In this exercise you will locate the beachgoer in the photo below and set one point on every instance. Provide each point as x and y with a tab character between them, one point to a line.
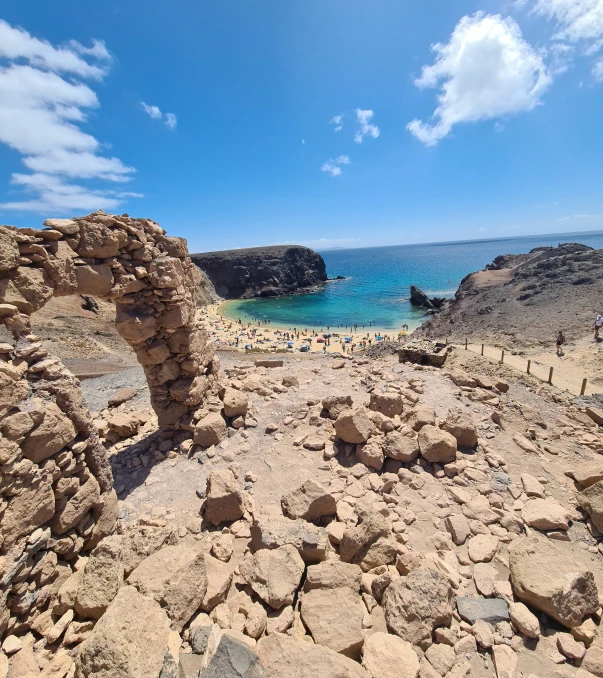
559	343
598	325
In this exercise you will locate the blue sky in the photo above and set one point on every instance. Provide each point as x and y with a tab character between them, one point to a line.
493	132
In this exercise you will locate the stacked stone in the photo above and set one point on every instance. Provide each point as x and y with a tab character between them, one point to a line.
147	274
56	494
56	487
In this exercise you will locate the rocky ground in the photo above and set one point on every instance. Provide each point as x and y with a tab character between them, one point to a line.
357	518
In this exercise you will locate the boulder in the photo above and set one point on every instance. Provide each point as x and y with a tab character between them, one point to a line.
491	610
233	659
526	622
97	241
548	577
400	447
129	641
461	426
334	619
174	576
125	424
33	506
358	539
437	446
309	501
417	604
50	436
354	426
85	499
335	405
271	532
211	430
422	415
388	404
482	548
545	514
591	500
285	656
122	396
275	575
370	454
94	280
596	414
333	574
101	579
236	403
505	661
219	578
269	362
224	499
387	656
458	527
587	474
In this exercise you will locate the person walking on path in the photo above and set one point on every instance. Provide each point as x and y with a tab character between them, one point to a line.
559	343
598	325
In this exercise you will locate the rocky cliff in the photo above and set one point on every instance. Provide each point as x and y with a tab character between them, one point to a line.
524	299
262	271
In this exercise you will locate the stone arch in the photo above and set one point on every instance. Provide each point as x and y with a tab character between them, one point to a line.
147	274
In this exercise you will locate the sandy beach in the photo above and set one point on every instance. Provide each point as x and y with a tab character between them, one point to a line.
237	335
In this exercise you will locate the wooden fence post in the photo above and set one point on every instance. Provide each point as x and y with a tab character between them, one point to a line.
529	366
502	357
482	349
466	343
551	376
583	389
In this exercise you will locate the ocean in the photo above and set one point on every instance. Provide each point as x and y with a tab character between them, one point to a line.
376	289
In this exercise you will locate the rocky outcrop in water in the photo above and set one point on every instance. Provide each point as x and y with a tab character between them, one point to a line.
262	271
419	298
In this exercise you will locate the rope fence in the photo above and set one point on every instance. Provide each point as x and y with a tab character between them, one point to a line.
533	368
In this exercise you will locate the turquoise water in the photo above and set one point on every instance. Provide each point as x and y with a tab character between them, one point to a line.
377	282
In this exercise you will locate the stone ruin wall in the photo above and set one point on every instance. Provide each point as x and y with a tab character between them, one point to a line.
56	487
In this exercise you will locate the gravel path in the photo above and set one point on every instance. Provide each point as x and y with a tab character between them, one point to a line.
98	390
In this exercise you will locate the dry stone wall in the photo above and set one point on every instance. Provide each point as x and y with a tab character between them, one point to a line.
56	487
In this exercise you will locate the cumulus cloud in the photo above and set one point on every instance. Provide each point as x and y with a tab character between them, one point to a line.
577	20
155	112
366	128
44	101
486	70
332	166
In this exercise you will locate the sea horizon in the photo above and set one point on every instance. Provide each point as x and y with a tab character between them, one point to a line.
374	293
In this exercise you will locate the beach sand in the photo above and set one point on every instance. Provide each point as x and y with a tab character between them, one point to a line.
224	331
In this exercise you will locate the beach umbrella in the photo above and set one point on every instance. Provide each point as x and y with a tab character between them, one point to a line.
348	340
289	343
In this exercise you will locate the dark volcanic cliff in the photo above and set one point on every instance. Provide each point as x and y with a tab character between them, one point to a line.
262	271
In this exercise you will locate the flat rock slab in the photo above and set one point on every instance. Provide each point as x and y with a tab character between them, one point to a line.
491	610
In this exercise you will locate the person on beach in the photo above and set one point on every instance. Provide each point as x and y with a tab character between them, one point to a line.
598	325
559	343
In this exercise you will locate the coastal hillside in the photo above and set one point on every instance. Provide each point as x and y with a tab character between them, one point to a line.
521	301
262	271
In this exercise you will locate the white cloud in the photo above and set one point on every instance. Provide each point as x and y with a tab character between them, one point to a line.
332	166
153	111
16	43
337	120
577	20
43	104
338	128
366	128
486	70
597	70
